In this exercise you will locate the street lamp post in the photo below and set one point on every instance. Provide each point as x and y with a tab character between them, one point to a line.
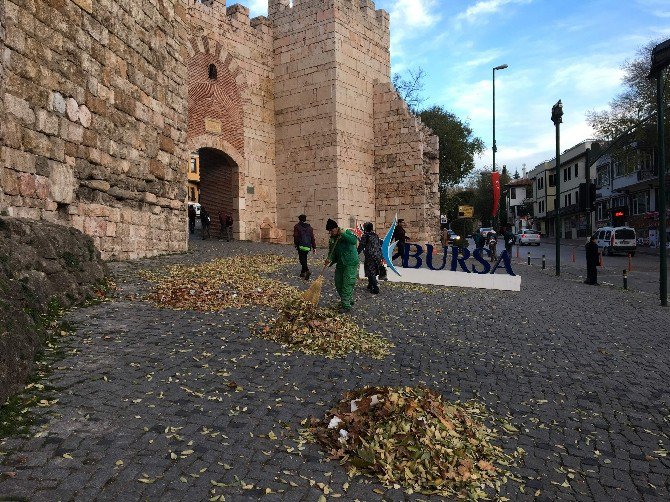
660	59
557	118
495	148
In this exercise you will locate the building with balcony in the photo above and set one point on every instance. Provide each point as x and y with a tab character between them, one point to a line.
627	191
519	197
576	218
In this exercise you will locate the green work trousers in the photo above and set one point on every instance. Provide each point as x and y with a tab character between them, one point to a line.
345	281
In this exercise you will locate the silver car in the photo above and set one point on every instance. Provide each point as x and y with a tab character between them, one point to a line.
528	236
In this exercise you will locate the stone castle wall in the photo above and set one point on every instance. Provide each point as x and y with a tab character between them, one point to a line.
95	120
104	100
328	54
363	58
407	167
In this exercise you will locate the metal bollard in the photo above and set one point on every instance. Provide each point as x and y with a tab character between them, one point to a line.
630	262
544	262
625	279
574	258
528	257
517	251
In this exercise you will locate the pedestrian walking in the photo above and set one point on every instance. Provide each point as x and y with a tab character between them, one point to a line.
303	239
479	241
371	246
222	224
191	218
444	236
205	221
343	253
509	239
400	237
592	255
492	241
225	225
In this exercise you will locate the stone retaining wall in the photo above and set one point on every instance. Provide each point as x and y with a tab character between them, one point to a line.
42	266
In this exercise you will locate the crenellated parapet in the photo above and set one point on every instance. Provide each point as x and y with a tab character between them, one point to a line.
377	19
215	16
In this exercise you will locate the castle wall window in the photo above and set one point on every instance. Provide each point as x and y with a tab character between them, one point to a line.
211	72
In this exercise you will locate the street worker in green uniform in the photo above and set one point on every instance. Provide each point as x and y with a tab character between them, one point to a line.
343	252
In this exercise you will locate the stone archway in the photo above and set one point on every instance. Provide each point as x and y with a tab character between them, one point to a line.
219	186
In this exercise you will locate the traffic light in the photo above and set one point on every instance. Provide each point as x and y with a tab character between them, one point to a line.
587	197
583	197
619	216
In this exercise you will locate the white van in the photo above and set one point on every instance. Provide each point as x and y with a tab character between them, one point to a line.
616	240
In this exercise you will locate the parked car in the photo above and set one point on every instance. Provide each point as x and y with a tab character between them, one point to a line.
453	235
197	208
485	230
528	236
616	240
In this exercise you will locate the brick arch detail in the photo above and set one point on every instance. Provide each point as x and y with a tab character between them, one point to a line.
224	100
216	143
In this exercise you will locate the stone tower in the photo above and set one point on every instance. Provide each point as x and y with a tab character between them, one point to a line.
327	56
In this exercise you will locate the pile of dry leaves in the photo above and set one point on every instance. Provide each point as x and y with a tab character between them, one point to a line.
412	438
220	284
316	330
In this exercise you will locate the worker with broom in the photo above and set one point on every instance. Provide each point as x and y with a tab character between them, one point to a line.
343	252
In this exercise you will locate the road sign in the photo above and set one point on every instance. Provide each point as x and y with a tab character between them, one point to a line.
466	211
443	218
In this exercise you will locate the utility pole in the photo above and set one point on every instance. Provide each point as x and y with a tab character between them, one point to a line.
660	59
557	119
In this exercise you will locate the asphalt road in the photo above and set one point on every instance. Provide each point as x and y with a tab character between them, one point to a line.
643	275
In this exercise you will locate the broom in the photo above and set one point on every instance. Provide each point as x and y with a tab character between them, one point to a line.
313	293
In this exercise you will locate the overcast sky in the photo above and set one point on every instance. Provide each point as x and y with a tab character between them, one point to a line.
556	49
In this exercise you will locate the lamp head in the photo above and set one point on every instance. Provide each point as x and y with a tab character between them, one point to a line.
660	58
557	113
501	67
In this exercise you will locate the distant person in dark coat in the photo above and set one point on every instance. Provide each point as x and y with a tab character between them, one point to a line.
191	218
592	256
400	236
509	239
371	246
304	242
492	241
225	226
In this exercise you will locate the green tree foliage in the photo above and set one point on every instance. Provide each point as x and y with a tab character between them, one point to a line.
629	109
458	144
482	187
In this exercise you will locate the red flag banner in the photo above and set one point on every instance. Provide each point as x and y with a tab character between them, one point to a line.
495	182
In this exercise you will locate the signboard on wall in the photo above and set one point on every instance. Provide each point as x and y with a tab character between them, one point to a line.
466	211
213	126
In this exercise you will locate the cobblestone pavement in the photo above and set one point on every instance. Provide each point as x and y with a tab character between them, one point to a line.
581	371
